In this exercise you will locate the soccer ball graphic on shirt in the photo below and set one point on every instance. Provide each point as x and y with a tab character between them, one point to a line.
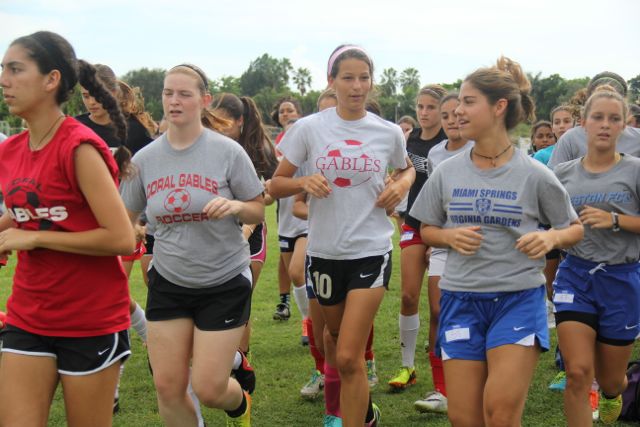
347	163
177	201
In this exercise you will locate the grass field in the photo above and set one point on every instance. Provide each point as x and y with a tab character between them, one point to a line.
283	365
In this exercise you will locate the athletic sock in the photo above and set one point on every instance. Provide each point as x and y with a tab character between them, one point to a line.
437	372
237	361
331	390
139	322
368	352
302	301
409	327
317	356
241	409
285	298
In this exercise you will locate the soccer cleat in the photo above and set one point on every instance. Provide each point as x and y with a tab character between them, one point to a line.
559	382
245	375
594	401
116	405
304	338
405	377
377	415
372	376
332	421
282	312
434	401
610	409
313	388
243	420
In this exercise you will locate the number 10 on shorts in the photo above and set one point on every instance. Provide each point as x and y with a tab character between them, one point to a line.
323	286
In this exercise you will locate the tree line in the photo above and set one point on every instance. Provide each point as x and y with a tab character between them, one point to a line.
267	79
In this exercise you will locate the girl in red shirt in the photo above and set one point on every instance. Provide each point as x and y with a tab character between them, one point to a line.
68	312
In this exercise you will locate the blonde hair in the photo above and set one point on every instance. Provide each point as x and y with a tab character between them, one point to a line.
608	92
208	118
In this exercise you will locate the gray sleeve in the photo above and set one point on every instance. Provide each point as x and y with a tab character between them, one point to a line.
554	202
428	208
399	156
563	152
132	191
294	145
242	177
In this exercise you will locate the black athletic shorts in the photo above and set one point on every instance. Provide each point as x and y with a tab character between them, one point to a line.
258	243
74	356
215	308
288	244
333	279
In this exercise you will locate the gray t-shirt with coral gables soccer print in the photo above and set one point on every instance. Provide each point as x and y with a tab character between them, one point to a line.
573	144
354	157
506	202
617	189
174	186
289	225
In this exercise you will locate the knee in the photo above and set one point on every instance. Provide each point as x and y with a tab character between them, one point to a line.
501	416
410	300
296	275
579	376
171	390
211	393
349	363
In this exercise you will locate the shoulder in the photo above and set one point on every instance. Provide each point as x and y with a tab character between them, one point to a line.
574	135
631	133
438	148
74	132
565	168
83	118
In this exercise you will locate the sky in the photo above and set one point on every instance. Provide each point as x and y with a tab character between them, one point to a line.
444	41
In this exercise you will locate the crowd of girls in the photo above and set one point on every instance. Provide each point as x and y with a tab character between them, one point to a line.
498	232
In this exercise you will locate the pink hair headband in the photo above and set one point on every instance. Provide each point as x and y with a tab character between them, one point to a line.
342	50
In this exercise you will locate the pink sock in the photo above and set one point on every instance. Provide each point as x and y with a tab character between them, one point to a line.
331	390
317	356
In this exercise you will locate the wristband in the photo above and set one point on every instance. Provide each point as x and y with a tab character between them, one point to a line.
615	219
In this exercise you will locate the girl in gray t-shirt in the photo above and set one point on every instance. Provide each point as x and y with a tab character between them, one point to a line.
349	151
197	186
485	205
597	287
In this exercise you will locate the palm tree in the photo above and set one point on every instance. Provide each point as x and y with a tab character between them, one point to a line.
302	80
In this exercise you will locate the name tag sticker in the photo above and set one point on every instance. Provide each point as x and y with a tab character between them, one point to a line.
407	235
563	297
458	334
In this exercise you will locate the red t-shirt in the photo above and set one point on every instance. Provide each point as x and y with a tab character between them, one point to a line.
59	293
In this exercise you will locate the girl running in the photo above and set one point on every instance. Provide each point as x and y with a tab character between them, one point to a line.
285	111
485	205
436	400
98	120
414	253
573	144
597	288
68	313
561	121
198	186
349	242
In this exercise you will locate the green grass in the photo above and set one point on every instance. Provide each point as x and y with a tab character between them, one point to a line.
283	365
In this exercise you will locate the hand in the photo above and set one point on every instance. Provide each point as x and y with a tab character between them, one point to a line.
596	218
267	186
392	195
16	239
317	185
140	232
536	244
465	240
220	207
